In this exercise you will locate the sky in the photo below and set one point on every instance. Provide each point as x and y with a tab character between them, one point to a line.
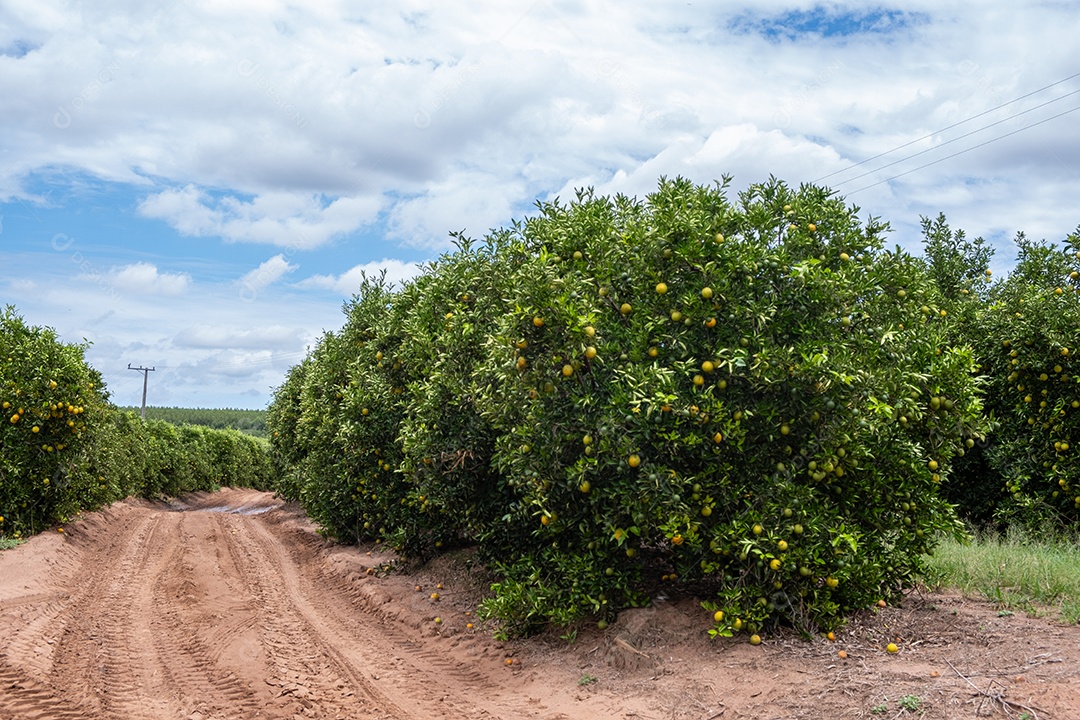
198	186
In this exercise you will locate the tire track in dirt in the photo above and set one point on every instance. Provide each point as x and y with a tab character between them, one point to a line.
105	659
420	678
193	675
302	661
32	625
24	698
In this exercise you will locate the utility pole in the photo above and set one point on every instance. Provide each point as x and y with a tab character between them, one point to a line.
145	374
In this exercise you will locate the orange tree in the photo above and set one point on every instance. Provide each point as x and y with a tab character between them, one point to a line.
753	396
287	449
455	495
334	424
52	400
757	395
959	267
1028	336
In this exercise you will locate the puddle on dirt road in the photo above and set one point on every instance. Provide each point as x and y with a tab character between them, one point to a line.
242	510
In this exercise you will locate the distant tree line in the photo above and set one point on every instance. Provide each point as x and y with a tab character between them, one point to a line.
250	422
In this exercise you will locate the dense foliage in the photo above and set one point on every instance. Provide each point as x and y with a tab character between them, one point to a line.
1028	337
757	396
65	448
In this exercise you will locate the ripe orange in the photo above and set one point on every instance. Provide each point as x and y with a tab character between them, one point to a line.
633	461
538	321
590	352
892	648
661	288
755	639
567	370
831	636
718	616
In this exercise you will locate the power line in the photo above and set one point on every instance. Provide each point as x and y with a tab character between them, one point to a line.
955	139
949	127
961	152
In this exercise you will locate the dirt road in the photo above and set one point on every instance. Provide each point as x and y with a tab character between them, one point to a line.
229	605
210	612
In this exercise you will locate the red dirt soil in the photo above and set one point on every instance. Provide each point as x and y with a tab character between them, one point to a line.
230	605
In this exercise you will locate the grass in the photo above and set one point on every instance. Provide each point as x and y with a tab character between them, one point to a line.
1038	576
6	543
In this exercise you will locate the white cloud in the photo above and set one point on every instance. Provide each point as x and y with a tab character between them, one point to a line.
22	286
285	219
348	283
144	279
272	337
266	274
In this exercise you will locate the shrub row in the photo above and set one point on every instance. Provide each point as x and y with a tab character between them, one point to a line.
64	448
1027	337
755	396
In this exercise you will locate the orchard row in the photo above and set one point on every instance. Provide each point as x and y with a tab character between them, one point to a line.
755	396
67	449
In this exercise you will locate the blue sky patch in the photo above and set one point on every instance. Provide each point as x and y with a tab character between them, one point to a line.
827	22
18	48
